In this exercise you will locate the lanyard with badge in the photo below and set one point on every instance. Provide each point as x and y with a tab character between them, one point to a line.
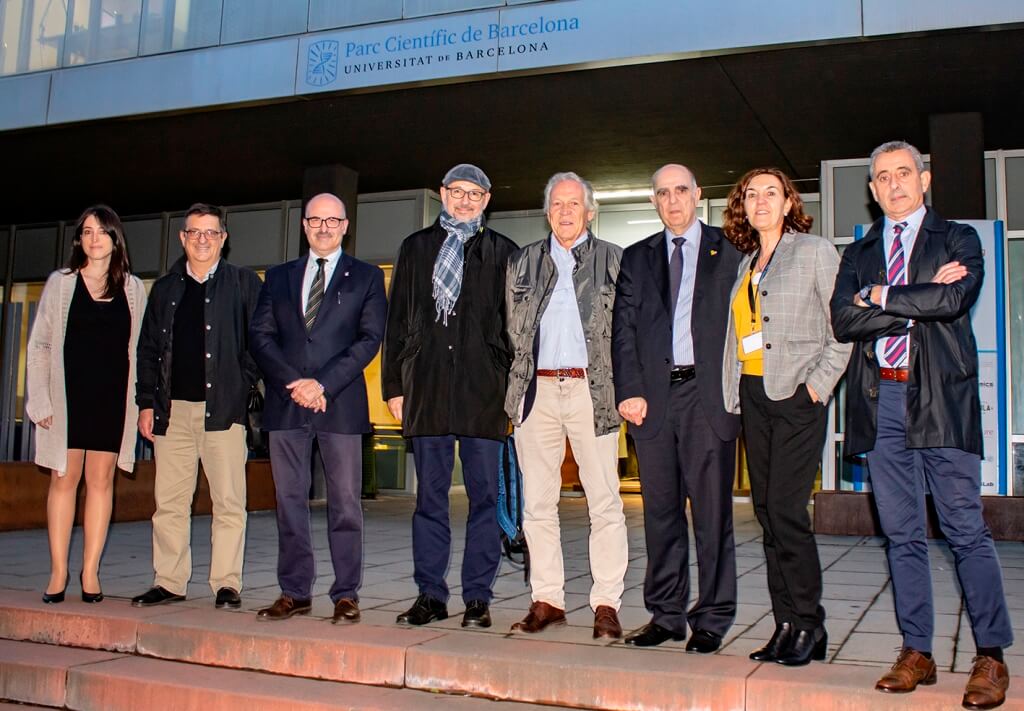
752	342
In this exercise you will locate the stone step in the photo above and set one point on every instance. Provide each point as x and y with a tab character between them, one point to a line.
366	658
37	673
142	684
300	646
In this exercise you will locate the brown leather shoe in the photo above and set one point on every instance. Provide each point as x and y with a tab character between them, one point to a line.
345	610
606	623
284	607
540	616
987	685
911	668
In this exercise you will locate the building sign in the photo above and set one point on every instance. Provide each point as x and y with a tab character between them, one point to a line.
557	34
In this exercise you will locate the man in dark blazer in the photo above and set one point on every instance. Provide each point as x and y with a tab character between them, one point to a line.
444	371
318	324
903	296
671	311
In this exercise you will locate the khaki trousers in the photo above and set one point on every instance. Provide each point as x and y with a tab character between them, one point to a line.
177	468
563	408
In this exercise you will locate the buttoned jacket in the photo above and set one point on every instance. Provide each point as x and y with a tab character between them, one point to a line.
798	344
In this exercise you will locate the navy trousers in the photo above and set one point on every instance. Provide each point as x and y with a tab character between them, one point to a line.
290	455
898	478
687	461
431	531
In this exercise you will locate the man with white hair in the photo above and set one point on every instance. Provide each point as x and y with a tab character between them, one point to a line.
559	294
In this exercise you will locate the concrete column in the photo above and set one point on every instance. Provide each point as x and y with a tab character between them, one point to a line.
957	147
341	181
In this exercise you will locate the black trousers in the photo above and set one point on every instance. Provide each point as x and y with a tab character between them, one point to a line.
784	440
687	460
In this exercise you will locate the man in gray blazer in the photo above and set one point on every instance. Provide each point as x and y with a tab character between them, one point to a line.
671	308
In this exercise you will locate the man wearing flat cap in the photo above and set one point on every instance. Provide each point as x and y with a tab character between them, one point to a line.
445	367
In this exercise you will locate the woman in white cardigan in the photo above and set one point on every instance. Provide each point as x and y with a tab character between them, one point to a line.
81	389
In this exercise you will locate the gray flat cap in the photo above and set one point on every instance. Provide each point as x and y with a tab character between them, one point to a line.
467	171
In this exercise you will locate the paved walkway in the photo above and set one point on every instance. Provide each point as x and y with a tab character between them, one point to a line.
858	598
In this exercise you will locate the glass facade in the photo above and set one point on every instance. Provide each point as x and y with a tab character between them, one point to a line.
102	30
328	14
31	35
1015	267
259	19
171	25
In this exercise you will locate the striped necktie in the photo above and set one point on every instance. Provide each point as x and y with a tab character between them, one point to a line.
895	347
316	294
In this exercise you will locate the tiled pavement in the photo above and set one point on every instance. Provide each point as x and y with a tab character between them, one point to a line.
858	598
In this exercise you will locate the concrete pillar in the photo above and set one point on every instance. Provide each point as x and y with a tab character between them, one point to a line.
343	182
957	148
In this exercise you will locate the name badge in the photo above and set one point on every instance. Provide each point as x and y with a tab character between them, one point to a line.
751	343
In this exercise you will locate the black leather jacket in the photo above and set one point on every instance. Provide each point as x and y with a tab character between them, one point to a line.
943	403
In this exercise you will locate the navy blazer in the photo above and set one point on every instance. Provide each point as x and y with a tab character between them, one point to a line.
344	339
642	329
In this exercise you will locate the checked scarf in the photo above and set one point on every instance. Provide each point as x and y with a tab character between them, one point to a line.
447	277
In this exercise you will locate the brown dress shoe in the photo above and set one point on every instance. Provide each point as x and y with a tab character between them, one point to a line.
541	615
911	668
284	607
345	610
606	623
987	685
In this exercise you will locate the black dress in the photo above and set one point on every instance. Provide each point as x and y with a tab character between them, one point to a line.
96	369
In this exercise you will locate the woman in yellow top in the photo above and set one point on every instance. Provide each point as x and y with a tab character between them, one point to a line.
781	364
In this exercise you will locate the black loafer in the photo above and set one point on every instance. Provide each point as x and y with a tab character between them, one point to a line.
155	596
228	597
425	609
651	635
478	614
704	642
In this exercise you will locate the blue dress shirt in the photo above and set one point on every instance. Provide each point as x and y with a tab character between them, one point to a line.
562	343
682	336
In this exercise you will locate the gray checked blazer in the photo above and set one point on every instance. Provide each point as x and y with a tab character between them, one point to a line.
799	346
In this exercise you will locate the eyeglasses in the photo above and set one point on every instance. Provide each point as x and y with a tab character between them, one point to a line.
473	195
210	235
332	223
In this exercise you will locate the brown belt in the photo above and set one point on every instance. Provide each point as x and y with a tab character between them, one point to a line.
562	373
900	375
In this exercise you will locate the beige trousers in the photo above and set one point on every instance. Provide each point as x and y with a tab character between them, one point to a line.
177	468
563	408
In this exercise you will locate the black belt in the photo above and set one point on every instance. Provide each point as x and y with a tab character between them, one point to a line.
682	373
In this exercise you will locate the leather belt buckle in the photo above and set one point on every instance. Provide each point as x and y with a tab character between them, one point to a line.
682	374
898	375
562	373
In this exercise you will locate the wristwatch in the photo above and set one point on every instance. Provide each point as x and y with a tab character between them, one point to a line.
865	295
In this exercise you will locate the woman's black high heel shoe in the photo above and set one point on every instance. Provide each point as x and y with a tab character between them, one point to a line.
54	598
88	596
804	646
776	645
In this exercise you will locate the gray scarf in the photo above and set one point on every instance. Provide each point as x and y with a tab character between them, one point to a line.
447	277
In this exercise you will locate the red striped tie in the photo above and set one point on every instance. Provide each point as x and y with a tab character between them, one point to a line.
895	347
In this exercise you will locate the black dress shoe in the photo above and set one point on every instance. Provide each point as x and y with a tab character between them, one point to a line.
651	635
88	596
228	597
478	614
779	641
425	609
155	596
704	642
804	645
